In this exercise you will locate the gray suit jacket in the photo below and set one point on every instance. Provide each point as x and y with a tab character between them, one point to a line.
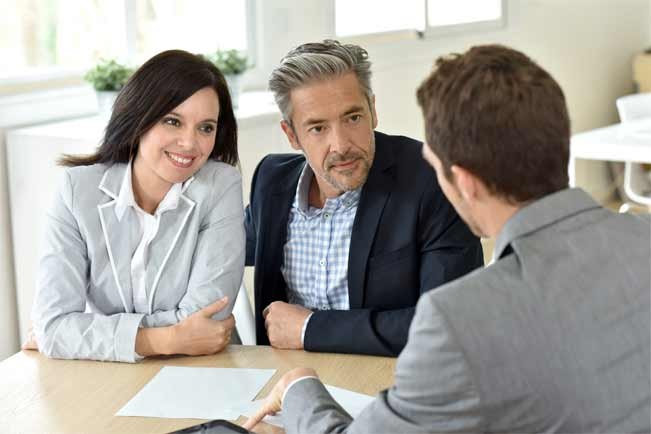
84	303
553	337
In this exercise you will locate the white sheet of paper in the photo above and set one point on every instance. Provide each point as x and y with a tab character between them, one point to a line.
197	393
350	401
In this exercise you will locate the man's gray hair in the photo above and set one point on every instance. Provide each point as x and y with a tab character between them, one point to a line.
316	61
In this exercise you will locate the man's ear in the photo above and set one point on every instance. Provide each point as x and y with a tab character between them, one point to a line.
291	135
468	185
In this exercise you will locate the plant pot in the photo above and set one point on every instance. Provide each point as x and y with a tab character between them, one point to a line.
233	81
105	101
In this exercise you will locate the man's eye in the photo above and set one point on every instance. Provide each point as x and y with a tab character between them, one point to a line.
317	129
172	121
355	118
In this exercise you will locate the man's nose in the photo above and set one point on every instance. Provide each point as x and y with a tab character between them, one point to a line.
339	141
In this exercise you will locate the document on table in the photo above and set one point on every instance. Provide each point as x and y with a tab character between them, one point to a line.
350	401
197	393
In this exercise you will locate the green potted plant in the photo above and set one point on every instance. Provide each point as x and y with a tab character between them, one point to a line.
107	78
232	64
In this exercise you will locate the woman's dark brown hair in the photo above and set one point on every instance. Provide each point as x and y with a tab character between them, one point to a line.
155	89
496	113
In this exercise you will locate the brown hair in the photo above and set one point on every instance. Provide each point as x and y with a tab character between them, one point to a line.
155	89
496	113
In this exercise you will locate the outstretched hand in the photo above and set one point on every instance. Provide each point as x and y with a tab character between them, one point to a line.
273	402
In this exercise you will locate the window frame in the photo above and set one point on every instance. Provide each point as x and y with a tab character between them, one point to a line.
54	77
430	32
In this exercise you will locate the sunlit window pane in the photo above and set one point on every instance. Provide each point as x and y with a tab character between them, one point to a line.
54	35
375	16
451	12
199	26
68	33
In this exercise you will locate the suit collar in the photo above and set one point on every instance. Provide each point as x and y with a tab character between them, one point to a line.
112	180
541	213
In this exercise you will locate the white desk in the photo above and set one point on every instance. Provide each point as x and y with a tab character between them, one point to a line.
620	142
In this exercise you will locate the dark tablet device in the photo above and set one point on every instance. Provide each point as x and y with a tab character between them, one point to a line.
218	426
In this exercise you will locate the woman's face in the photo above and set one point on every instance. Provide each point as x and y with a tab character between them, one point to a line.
178	145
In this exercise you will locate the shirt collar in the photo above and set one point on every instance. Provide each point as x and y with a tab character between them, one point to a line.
126	199
345	200
541	213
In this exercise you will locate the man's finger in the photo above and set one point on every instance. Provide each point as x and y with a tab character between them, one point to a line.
265	311
215	307
256	418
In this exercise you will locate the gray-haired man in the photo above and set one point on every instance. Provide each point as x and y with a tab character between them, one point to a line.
552	337
347	236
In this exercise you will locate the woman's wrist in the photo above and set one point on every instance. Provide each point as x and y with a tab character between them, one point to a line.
155	341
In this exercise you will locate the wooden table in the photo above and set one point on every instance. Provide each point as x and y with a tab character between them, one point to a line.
41	395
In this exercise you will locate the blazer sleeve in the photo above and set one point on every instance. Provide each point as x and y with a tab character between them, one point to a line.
63	330
434	390
218	258
448	250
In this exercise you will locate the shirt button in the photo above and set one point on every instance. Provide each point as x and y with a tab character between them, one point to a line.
324	307
322	262
326	215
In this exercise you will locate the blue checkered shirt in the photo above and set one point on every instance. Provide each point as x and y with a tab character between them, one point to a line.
315	265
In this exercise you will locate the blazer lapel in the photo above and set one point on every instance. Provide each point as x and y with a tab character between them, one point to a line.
117	234
375	193
171	226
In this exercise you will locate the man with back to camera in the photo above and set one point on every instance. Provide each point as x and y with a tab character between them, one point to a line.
552	337
345	244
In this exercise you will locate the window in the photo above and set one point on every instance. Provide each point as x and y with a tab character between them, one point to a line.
50	36
381	16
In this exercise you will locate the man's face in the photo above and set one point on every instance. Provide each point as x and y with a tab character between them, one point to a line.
333	123
451	191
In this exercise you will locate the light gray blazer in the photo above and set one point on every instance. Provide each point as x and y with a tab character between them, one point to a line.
83	307
553	337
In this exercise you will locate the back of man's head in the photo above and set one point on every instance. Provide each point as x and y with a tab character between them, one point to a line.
496	113
318	61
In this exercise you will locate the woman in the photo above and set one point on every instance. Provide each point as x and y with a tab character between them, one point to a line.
144	248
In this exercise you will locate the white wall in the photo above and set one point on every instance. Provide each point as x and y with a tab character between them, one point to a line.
587	45
8	314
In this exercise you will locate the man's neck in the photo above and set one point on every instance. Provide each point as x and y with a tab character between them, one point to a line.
317	196
496	214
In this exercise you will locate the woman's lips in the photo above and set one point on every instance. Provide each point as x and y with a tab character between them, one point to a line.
180	160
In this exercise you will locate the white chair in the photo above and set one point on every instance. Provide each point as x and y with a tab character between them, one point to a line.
632	107
244	319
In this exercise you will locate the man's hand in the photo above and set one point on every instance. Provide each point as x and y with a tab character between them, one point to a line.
284	324
30	343
273	402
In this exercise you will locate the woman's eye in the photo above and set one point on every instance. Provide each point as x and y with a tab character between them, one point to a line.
209	128
172	121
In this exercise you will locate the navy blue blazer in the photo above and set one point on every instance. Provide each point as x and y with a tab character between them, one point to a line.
407	239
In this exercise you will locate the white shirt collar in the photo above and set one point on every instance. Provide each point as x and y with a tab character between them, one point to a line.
126	199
